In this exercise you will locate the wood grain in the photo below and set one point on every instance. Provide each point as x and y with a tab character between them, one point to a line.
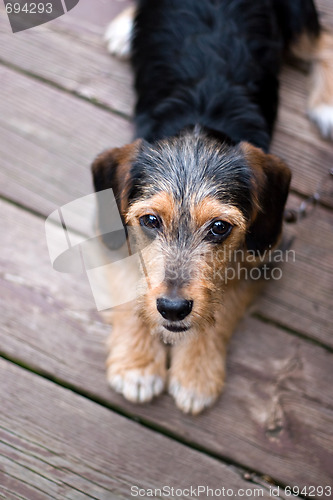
69	447
302	299
75	61
276	413
48	141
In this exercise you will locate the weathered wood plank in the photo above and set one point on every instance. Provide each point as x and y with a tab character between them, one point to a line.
302	299
78	62
89	71
69	447
298	141
99	14
276	414
49	140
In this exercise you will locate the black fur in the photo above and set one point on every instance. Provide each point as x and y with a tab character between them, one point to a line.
214	63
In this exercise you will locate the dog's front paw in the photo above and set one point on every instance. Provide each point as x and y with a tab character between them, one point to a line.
118	34
138	385
137	360
322	116
189	399
197	371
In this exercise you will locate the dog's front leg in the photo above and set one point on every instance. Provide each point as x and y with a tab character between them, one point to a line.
197	371
136	365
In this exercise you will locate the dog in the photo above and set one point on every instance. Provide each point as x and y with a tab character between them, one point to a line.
198	184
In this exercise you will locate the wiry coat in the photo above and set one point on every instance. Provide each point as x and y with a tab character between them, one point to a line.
213	63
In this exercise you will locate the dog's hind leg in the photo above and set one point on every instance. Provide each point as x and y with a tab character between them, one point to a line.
119	33
318	52
309	42
306	40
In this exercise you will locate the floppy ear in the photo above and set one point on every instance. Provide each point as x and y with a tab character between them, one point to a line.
271	185
111	170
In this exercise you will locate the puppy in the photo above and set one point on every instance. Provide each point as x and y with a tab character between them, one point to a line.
198	186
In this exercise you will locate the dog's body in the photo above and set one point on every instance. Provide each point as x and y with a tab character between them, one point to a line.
215	63
196	184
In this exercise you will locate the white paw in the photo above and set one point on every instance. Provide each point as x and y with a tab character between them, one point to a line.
118	34
136	386
188	400
322	116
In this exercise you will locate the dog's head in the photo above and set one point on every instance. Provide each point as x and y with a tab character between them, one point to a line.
192	200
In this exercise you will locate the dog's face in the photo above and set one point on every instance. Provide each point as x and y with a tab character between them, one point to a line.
191	201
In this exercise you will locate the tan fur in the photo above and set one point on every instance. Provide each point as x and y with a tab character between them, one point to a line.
210	208
197	372
304	47
161	204
322	74
136	365
203	263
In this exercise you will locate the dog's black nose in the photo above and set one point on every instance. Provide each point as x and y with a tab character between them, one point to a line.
174	309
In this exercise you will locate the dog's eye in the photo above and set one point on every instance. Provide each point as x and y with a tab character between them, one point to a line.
218	230
150	221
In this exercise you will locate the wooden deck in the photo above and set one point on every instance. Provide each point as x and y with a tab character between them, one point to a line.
63	432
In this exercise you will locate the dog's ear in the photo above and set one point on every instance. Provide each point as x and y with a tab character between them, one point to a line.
271	179
111	170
